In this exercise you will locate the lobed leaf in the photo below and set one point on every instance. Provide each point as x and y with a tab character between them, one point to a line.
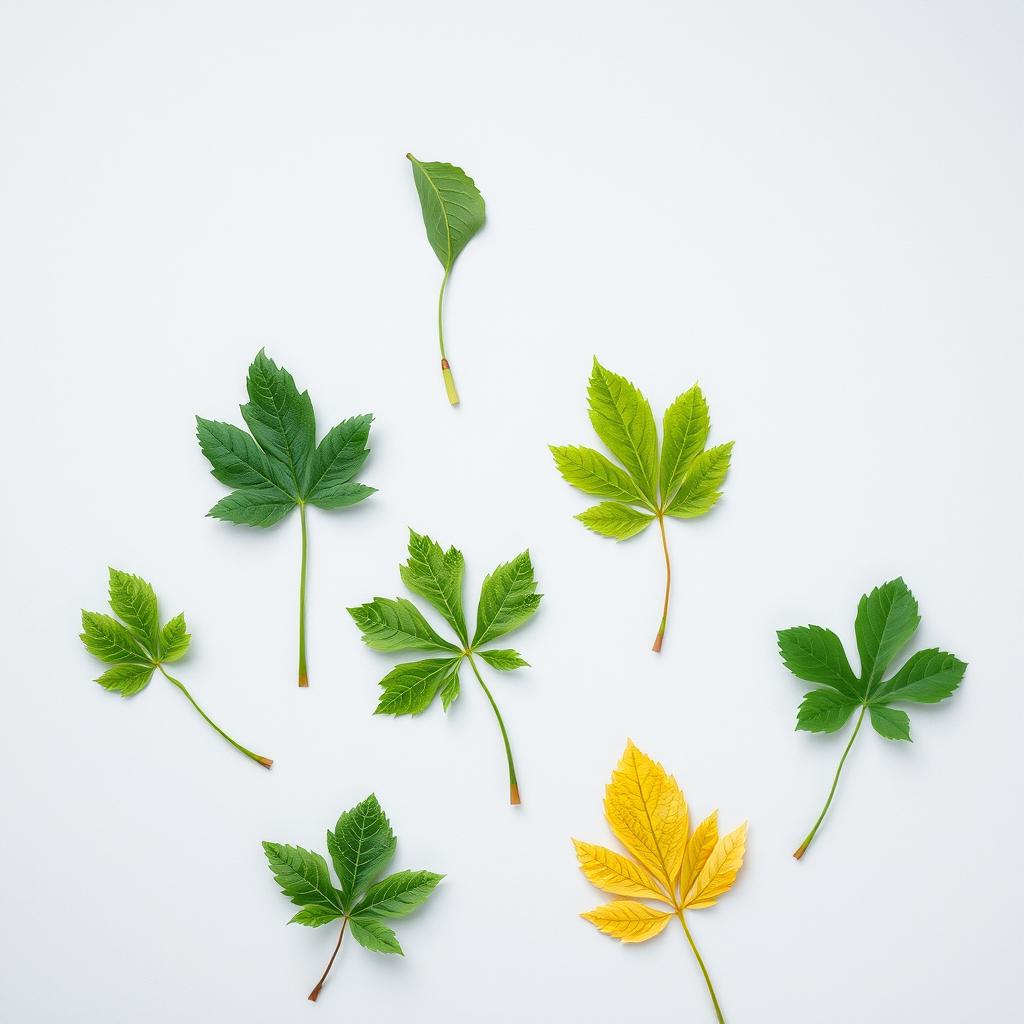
615	520
628	920
436	574
397	625
508	598
593	473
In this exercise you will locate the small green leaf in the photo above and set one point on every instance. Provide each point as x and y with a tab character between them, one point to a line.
453	209
593	473
886	619
397	625
105	638
256	506
174	640
436	575
314	915
397	895
126	680
450	689
338	457
698	493
360	845
410	688
508	598
134	603
928	677
504	661
615	520
817	655
303	876
375	936
824	711
890	722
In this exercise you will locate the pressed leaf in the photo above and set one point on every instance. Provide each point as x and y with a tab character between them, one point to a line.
132	600
508	598
628	920
314	916
253	506
360	846
593	473
409	689
685	433
504	661
824	711
373	935
397	625
126	680
886	620
174	639
719	872
698	849
891	723
616	874
436	575
110	641
817	655
397	895
613	519
699	493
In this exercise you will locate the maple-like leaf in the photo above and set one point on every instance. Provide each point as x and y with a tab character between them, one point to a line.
683	480
886	620
681	871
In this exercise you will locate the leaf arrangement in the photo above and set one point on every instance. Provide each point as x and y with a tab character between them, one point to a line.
508	599
453	212
682	481
135	645
360	846
647	813
886	619
280	465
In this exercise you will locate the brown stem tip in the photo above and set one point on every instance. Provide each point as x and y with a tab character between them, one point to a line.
799	853
513	794
656	646
316	992
266	762
303	679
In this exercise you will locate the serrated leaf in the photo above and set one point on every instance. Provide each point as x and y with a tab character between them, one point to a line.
409	689
263	507
338	457
891	723
504	661
698	493
719	872
616	874
360	846
126	680
824	711
508	599
886	620
593	473
684	435
436	575
397	625
450	689
615	520
133	601
315	916
303	876
341	496
928	677
174	640
373	935
817	656
698	849
397	895
238	461
628	920
110	641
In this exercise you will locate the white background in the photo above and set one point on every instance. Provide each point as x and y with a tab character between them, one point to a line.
814	209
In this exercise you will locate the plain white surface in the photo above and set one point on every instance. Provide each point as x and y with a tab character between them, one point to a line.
813	208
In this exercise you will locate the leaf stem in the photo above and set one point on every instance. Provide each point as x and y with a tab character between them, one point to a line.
668	583
303	676
330	963
703	969
835	782
446	370
265	761
513	785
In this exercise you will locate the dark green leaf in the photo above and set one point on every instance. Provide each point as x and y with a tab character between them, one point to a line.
338	457
238	461
824	711
397	625
261	507
341	496
886	620
314	915
373	935
890	722
507	599
397	895
410	688
504	661
360	845
817	655
450	689
928	677
303	876
436	575
453	209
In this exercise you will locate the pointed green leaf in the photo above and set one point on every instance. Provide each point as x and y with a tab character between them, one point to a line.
623	419
303	876
134	603
685	433
397	895
890	723
507	599
436	575
373	935
341	496
360	845
824	711
928	677
107	639
174	640
261	507
698	493
453	209
397	625
410	688
237	460
338	457
504	661
450	688
817	655
313	916
593	473
886	620
126	680
615	520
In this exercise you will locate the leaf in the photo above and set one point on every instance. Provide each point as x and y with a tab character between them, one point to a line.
508	598
409	689
450	689
698	849
126	680
685	433
375	936
886	619
132	600
628	920
174	640
361	843
616	874
699	493
453	209
504	661
593	473
719	872
280	465
613	519
107	639
397	625
436	575
622	418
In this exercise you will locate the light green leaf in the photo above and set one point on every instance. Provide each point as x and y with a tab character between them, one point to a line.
397	895
303	876
615	520
453	209
126	680
238	461
824	711
360	845
623	419
686	426
593	473
436	574
373	935
817	655
410	688
338	457
313	916
397	625
134	603
698	493
890	723
504	661
886	620
928	677
450	689
105	638
262	507
507	599
174	640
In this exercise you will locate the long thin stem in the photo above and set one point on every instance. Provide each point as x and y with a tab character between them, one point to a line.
303	676
835	782
703	969
330	963
265	761
446	370
513	785
668	584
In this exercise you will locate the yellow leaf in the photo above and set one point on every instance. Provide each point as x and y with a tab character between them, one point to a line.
612	872
698	849
628	920
718	874
647	813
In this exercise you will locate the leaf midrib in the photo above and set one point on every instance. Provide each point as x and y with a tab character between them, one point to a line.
444	212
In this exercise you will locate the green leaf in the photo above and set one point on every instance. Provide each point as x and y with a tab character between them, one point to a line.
313	916
453	209
886	620
397	895
338	457
890	723
623	419
105	638
817	655
238	461
686	427
126	680
360	845
824	711
410	688
341	496
397	625
507	599
303	876
504	661
698	493
615	520
261	507
134	603
928	677
373	935
450	689
593	473
436	574
281	419
174	640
